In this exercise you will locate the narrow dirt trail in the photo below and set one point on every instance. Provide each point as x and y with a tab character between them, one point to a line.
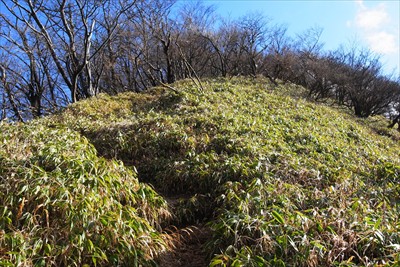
187	240
188	248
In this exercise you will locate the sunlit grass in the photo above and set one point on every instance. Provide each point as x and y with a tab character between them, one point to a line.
281	181
61	205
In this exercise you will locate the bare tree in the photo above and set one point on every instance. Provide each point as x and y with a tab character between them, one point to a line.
254	40
366	90
149	57
25	61
307	48
225	46
279	56
67	28
10	96
195	21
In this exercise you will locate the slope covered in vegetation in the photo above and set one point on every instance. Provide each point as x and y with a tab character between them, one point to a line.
61	205
278	180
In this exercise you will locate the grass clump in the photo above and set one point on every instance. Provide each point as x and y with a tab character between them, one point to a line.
61	205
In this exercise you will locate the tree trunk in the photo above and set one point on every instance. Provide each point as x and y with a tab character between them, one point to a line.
395	120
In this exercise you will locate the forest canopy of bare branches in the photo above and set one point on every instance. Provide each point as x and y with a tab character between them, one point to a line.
57	52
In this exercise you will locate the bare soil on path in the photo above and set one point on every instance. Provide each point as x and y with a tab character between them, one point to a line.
188	248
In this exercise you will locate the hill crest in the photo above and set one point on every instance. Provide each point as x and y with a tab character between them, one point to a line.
272	178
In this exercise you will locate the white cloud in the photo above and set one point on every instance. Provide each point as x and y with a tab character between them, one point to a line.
382	42
371	19
374	25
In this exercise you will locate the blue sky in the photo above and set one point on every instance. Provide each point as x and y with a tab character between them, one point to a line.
374	24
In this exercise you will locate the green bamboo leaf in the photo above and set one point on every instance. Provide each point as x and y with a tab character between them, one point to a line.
377	223
217	262
260	261
278	217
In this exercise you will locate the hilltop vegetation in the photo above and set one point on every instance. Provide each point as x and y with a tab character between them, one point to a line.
56	53
278	180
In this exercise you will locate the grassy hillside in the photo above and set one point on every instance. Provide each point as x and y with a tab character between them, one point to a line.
61	205
279	181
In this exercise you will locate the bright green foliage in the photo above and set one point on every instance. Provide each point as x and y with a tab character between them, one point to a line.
61	205
283	181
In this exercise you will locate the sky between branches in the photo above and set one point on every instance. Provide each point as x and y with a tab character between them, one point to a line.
371	24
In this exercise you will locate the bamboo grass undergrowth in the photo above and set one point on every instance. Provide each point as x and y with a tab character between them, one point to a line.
280	180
